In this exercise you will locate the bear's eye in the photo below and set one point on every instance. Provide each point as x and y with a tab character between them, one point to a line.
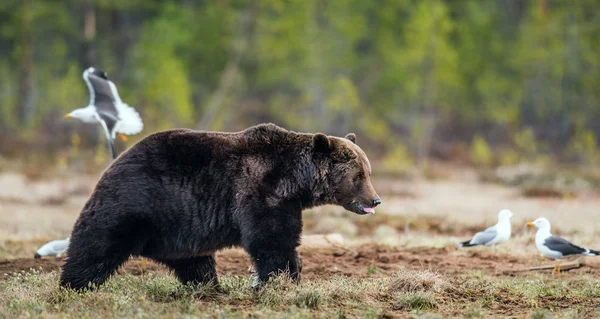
358	177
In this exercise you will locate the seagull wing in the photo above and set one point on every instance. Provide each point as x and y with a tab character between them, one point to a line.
110	119
109	131
59	246
49	249
45	250
484	237
101	95
563	246
130	121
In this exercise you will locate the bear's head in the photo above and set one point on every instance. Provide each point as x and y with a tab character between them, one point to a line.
348	173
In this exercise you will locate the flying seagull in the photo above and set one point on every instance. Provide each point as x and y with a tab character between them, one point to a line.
555	247
107	108
54	248
492	235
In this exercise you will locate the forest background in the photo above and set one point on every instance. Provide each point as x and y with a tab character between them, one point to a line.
484	82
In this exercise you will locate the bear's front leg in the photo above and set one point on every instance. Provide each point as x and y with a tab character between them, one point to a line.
271	239
270	263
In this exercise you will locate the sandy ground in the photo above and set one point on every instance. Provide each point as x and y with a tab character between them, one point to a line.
33	212
470	202
47	209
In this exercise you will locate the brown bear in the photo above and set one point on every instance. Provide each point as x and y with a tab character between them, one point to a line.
178	196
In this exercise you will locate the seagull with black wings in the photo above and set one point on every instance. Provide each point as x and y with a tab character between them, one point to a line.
554	247
107	109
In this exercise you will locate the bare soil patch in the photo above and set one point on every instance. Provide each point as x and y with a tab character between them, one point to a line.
364	261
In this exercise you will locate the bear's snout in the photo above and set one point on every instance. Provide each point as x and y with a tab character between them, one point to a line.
367	206
376	202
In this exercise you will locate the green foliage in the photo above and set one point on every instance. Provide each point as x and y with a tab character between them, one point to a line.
428	58
480	152
585	146
508	156
487	91
525	141
8	96
398	159
527	147
62	92
416	71
165	89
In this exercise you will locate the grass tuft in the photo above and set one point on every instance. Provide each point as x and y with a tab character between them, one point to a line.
418	281
308	299
539	314
415	301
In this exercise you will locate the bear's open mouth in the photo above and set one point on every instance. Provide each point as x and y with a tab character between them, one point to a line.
362	210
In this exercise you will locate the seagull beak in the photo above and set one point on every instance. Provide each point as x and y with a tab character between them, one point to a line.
68	116
530	224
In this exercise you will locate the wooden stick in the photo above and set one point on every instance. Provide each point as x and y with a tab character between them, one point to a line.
563	267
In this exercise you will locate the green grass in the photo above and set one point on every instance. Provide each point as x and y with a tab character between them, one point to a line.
32	294
415	301
416	293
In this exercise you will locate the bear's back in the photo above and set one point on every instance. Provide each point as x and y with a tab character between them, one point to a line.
183	154
187	143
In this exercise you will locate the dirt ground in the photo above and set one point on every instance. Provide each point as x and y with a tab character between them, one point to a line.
325	262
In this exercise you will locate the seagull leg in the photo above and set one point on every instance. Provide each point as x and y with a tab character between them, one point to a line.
109	139
113	150
558	268
122	136
554	269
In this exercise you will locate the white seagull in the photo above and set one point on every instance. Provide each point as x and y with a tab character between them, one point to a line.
54	248
107	108
555	247
492	235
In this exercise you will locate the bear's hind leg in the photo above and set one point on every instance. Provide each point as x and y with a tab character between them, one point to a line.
78	273
93	256
195	270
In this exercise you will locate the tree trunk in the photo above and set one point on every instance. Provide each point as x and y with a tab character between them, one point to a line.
89	34
239	47
26	85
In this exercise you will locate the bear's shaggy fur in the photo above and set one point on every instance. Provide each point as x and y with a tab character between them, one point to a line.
178	196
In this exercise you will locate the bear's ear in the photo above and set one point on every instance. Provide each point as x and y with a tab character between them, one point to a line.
321	143
351	137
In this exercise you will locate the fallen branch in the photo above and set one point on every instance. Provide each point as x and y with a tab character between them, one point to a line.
563	267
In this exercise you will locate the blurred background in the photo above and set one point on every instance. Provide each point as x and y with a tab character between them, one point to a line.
483	82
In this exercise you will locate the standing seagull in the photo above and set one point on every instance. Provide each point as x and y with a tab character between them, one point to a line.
106	108
492	235
53	248
555	247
